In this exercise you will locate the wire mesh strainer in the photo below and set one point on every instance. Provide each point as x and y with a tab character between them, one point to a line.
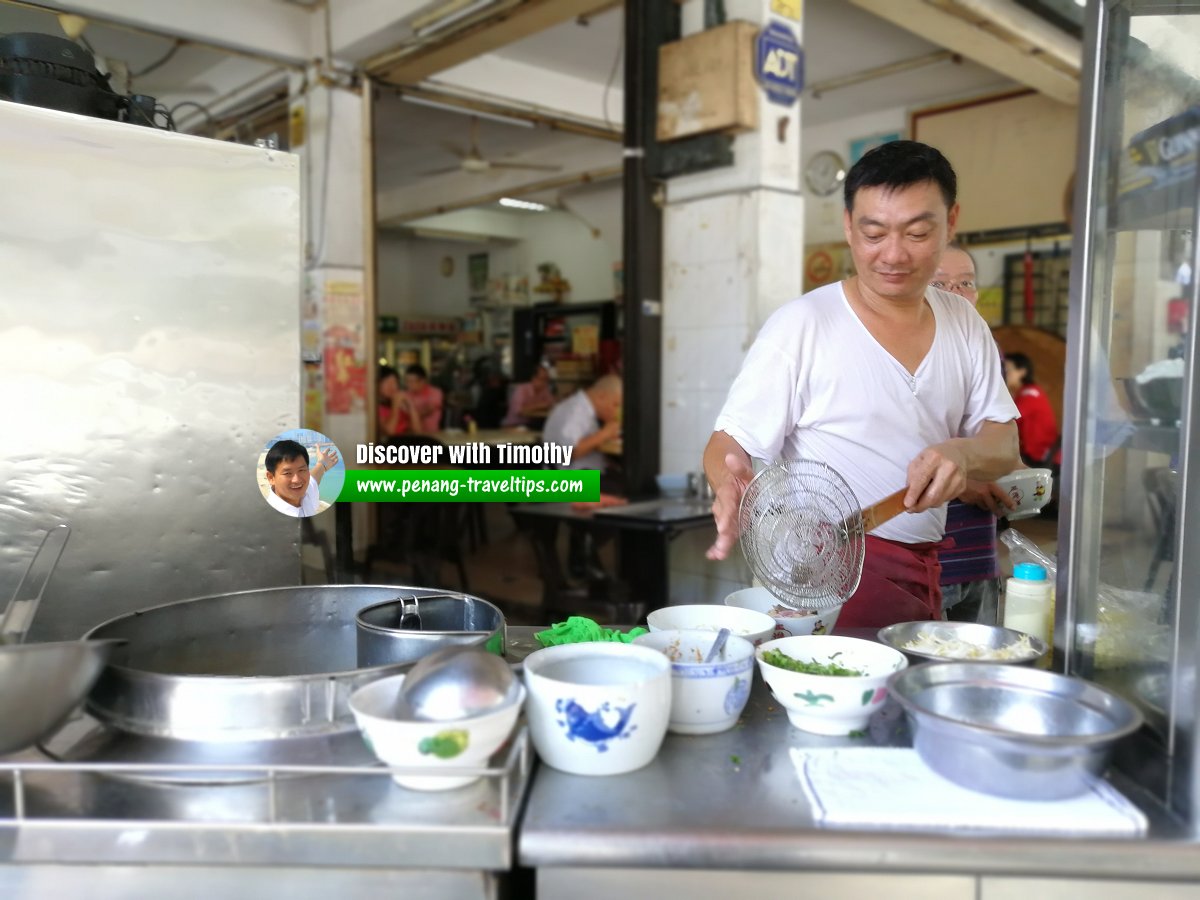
802	532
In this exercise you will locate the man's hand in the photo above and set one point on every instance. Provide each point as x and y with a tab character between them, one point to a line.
729	499
609	431
936	475
988	495
324	462
327	460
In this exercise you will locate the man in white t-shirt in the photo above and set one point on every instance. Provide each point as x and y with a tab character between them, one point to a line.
586	421
295	489
887	380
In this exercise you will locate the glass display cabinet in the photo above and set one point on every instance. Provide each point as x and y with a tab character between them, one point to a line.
1129	561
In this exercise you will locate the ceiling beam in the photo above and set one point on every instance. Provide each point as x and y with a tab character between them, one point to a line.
469	102
997	34
582	160
558	182
280	32
493	29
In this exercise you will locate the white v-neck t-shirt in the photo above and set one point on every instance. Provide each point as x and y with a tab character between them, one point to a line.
817	385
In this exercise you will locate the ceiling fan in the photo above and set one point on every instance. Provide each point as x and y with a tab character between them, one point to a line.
473	162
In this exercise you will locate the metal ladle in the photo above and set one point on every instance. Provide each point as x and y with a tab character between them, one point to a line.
454	683
18	615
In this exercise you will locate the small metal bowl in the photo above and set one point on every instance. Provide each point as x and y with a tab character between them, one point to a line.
446	619
991	637
1011	731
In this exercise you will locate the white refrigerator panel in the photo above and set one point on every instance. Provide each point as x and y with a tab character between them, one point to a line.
149	346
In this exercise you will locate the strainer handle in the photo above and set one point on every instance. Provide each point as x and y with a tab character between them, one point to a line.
884	511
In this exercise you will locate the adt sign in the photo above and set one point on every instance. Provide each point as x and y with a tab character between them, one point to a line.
779	63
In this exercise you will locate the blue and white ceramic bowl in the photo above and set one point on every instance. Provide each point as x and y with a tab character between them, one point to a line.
597	708
705	697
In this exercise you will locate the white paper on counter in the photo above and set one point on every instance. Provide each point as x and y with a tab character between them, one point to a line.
890	788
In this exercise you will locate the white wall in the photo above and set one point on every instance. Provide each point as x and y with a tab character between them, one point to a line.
823	215
411	282
563	238
410	279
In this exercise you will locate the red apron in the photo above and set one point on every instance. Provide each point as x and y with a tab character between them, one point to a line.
899	584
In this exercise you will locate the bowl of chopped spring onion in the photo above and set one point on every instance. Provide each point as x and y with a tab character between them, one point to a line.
828	684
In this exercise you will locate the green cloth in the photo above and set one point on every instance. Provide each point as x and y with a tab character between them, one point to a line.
581	629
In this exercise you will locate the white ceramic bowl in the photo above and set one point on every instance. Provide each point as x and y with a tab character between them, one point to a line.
1030	489
787	622
830	704
705	697
755	627
597	708
437	746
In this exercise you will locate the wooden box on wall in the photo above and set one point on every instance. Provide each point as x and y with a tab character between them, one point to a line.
706	83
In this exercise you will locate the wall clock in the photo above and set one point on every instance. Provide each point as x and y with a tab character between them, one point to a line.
824	173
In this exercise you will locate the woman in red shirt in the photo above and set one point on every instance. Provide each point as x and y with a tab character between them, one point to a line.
1037	427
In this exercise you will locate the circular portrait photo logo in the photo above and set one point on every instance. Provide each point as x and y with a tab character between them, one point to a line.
300	472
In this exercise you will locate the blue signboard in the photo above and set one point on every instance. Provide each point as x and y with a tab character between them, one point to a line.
779	63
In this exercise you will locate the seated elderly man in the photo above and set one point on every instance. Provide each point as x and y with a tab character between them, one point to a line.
587	420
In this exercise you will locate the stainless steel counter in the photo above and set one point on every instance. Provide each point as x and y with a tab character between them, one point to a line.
733	801
322	827
711	816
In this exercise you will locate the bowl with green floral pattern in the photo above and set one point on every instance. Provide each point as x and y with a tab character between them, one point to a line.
442	748
828	684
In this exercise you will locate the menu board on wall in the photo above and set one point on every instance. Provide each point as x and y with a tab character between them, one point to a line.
1013	153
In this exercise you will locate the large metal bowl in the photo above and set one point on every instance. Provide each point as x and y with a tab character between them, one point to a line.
251	666
988	637
1012	731
42	684
447	620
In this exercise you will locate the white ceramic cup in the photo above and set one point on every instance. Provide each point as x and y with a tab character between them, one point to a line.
597	708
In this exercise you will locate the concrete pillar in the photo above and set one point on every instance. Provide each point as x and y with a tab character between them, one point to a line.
733	254
329	130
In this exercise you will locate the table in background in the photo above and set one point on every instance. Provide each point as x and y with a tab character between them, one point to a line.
489	436
643	529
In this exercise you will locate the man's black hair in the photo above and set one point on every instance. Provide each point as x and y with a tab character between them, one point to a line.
417	370
285	451
901	164
1021	361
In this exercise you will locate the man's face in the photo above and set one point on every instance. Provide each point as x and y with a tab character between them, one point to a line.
896	238
540	377
290	480
608	406
413	383
956	273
